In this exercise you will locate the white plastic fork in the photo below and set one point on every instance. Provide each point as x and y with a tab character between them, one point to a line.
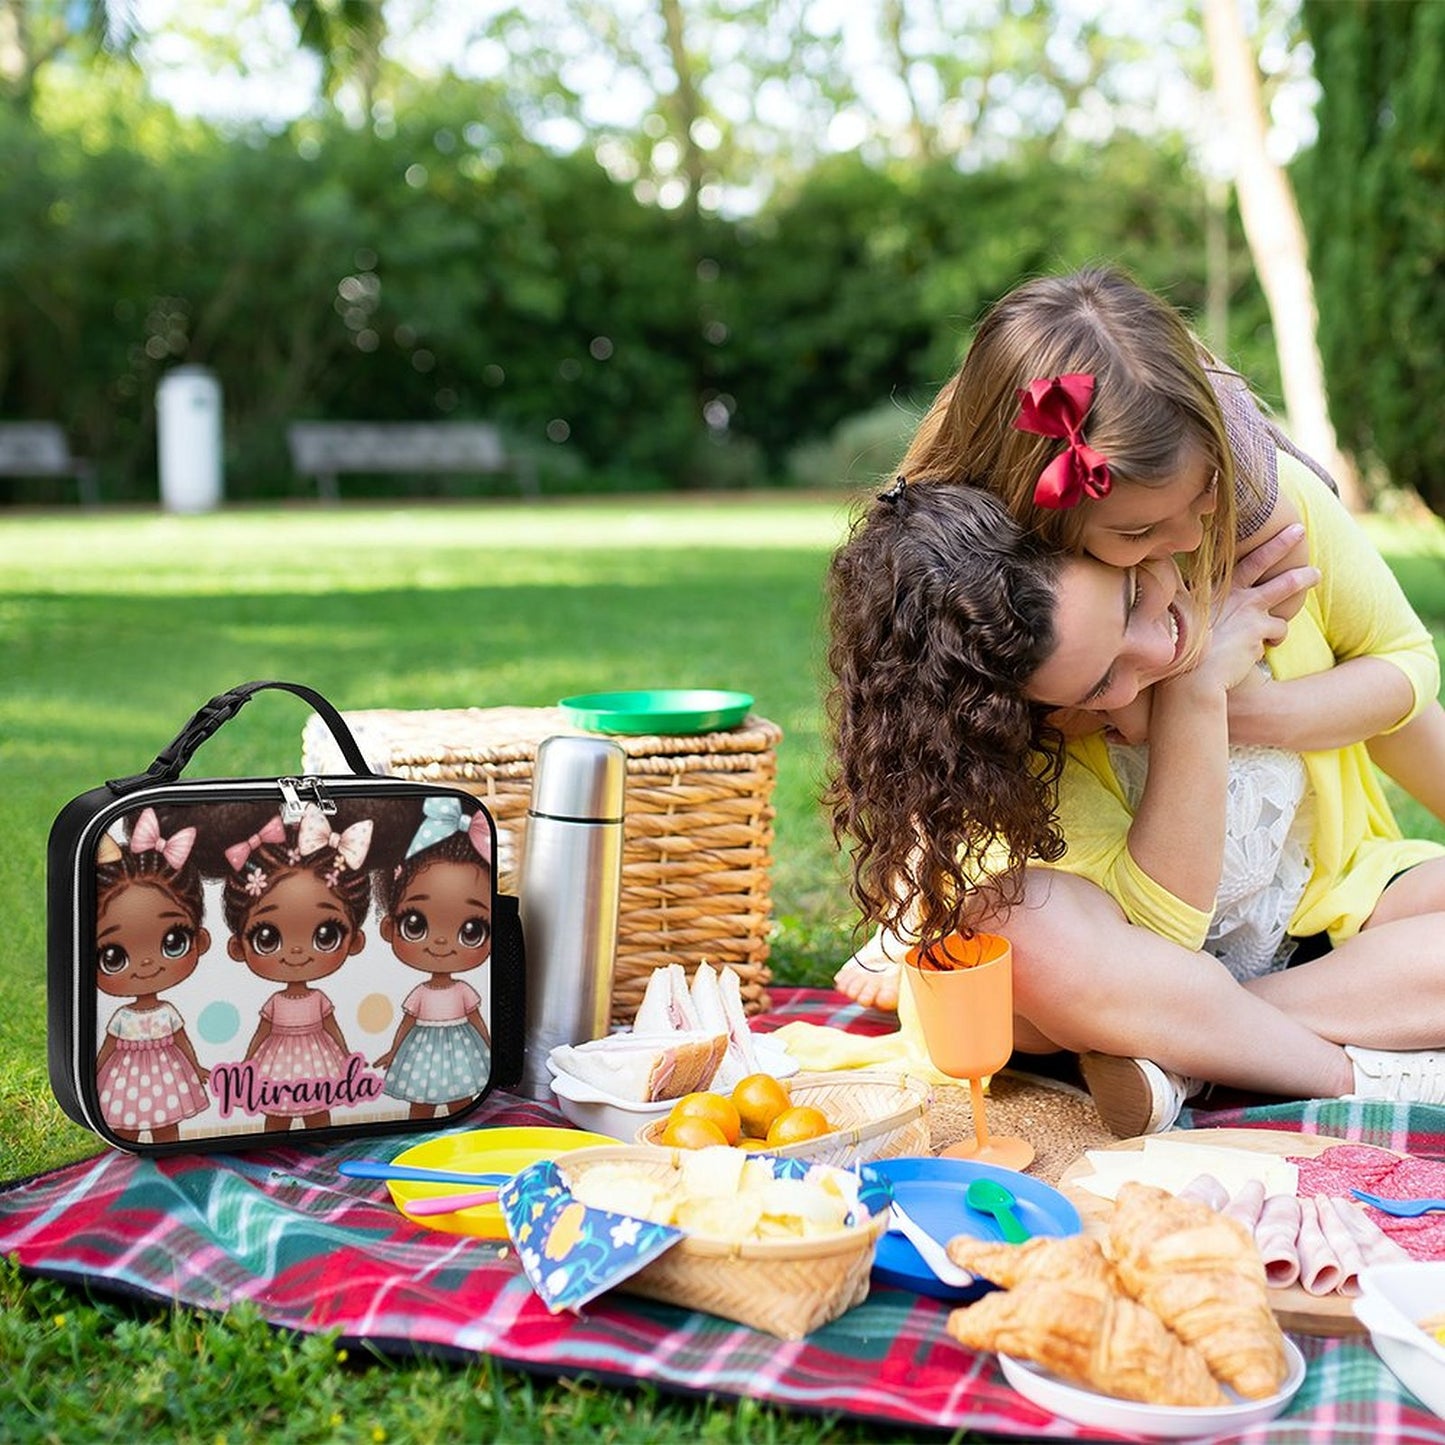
930	1250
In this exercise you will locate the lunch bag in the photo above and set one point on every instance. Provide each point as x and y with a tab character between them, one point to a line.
241	961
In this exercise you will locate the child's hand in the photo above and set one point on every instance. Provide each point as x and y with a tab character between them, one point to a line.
1249	619
1283	519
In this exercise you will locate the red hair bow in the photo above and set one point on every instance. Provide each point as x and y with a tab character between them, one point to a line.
1056	407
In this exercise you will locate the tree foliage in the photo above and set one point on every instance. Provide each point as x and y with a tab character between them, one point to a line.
1370	191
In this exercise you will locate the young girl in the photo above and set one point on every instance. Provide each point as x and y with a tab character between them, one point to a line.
955	639
294	900
438	920
149	936
1087	406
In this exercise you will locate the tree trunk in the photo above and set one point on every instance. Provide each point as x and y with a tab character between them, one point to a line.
686	108
1276	239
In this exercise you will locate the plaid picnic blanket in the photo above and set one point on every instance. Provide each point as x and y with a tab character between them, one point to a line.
314	1251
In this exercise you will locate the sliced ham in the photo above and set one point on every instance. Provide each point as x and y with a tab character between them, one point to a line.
1320	1271
1276	1234
1247	1204
1341	1241
1207	1190
1376	1247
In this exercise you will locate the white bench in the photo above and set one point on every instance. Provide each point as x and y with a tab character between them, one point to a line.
325	450
39	449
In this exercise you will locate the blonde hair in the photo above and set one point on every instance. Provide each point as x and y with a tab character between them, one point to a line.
1152	402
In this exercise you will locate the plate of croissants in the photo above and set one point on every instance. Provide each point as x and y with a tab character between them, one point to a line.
1161	1327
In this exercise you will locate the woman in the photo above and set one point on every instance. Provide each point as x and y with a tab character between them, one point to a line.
956	637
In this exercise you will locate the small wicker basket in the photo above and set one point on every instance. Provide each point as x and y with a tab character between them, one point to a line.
876	1116
697	836
785	1287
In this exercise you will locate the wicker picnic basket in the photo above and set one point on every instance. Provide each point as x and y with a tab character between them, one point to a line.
876	1116
785	1287
697	837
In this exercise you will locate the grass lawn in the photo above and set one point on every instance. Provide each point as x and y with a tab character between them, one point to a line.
114	627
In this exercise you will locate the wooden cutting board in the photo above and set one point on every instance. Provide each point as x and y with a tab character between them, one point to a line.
1295	1308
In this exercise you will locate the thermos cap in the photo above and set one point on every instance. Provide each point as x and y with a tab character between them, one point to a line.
581	778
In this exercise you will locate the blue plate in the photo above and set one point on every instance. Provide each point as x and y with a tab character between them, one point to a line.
932	1191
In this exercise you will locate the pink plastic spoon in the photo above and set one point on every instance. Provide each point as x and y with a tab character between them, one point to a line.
450	1203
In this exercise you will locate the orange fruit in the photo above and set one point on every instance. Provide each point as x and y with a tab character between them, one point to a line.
715	1108
692	1133
795	1124
760	1098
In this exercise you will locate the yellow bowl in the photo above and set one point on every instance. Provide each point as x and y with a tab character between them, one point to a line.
480	1151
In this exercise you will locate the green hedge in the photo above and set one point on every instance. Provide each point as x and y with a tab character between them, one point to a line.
448	268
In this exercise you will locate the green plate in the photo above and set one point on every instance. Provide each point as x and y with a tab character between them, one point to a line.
660	710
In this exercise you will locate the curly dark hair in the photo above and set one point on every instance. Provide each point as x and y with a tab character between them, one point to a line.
944	773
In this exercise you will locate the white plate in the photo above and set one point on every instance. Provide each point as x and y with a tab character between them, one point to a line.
773	1058
599	1112
1394	1298
1161	1422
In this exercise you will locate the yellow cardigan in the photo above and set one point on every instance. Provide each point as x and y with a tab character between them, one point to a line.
1358	610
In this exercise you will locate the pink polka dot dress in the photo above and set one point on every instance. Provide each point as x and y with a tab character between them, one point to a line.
147	1082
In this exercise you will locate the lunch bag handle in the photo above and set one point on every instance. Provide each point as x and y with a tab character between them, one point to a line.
221	709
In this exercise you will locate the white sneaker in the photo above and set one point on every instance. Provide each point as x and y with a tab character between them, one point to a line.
1407	1076
1135	1096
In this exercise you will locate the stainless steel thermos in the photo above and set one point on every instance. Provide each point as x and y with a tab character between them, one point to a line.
568	894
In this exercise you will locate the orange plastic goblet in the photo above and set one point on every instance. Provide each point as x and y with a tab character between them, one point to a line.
963	990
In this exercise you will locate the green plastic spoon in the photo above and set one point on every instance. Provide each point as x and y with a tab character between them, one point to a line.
988	1196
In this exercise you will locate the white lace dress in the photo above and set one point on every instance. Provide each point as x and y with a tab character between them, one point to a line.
1266	852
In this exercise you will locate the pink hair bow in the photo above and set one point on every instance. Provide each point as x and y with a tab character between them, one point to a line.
315	833
1056	407
145	837
273	832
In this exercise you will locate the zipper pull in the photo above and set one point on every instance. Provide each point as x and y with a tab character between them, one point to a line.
296	793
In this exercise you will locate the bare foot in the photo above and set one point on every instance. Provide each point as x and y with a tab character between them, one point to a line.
870	977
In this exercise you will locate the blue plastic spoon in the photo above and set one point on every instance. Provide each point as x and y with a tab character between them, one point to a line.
381	1169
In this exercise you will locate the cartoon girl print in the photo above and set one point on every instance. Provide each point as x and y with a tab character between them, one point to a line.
294	907
438	919
148	939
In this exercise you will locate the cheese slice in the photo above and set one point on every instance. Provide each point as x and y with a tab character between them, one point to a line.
1171	1163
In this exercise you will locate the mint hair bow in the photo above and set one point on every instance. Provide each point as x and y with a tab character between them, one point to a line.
442	817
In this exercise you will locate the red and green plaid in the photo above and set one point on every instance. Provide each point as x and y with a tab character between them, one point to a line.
314	1251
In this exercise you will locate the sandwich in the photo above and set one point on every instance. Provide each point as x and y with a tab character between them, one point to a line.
713	1003
644	1068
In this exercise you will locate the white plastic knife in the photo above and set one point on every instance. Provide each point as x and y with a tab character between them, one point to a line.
932	1252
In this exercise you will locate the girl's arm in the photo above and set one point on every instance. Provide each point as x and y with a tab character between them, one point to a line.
263	1030
402	1030
1414	756
334	1029
183	1043
1177	836
1380	669
479	1023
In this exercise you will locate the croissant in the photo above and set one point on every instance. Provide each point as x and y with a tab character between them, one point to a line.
1202	1275
1079	1256
1090	1335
